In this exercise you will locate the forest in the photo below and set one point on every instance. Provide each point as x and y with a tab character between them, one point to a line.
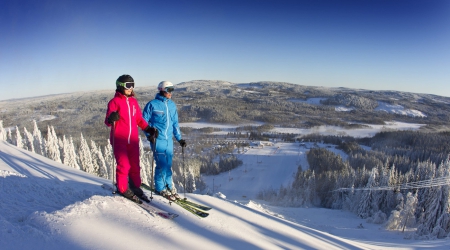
402	182
399	179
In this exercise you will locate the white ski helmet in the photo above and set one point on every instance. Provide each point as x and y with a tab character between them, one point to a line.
162	86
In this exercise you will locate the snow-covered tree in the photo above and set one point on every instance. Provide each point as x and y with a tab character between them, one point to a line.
9	137
390	200
424	171
2	132
190	182
53	150
434	220
409	210
99	161
144	163
38	141
365	207
310	196
345	179
19	141
109	160
29	144
403	215
70	156
442	228
85	157
384	200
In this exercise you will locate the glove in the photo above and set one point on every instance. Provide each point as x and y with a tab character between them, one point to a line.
182	143
113	117
153	133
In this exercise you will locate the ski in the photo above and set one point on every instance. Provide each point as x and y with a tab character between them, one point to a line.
185	201
194	210
196	205
147	207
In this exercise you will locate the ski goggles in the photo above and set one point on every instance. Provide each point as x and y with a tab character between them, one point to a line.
127	85
169	89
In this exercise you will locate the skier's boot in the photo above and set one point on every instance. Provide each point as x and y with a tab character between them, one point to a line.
139	193
174	193
167	194
131	196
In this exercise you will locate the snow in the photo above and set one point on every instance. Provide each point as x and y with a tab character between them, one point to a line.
343	109
368	131
198	125
266	167
263	168
382	106
47	205
312	101
398	109
47	118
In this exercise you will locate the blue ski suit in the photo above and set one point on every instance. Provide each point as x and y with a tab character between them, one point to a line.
161	113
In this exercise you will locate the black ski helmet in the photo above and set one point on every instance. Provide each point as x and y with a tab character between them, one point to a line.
122	80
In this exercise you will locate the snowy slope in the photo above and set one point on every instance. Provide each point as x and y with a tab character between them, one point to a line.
266	167
46	205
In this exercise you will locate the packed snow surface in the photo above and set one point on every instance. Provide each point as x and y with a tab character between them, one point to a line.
46	205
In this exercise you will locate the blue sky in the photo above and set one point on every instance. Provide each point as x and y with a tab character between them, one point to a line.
60	46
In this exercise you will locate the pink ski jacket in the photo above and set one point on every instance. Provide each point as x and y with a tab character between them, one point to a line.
126	129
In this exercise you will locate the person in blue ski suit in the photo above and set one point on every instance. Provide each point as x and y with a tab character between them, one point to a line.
161	114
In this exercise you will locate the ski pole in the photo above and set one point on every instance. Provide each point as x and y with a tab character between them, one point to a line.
154	161
114	159
151	172
184	173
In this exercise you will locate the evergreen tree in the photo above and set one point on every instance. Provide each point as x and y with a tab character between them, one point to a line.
85	157
29	144
409	210
9	137
384	200
345	178
365	209
61	148
403	215
434	216
2	132
424	171
144	163
442	228
70	156
53	151
390	194
310	196
18	142
38	141
190	182
109	160
99	161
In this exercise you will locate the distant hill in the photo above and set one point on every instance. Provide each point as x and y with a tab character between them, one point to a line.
275	103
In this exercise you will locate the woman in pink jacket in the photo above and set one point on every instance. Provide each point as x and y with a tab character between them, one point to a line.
124	116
